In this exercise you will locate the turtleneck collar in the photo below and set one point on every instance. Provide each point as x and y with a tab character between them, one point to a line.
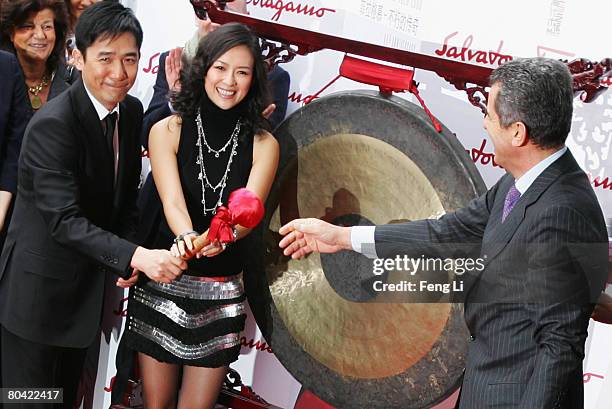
219	123
212	111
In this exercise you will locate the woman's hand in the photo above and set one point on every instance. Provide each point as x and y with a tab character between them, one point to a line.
183	246
212	249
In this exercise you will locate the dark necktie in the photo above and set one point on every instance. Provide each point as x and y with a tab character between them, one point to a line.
109	133
512	197
109	129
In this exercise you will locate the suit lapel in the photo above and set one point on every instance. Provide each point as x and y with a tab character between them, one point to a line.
499	234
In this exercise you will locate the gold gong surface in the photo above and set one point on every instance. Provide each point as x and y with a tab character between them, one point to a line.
343	174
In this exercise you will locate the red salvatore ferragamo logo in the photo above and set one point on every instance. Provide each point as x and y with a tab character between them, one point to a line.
464	53
602	183
291	7
586	378
153	67
481	156
121	311
257	345
299	98
109	388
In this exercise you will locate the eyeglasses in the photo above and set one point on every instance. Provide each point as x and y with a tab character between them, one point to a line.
199	7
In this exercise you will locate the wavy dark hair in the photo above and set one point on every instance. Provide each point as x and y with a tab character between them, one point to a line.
14	13
211	47
72	18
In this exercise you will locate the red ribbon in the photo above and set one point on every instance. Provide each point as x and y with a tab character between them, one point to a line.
243	208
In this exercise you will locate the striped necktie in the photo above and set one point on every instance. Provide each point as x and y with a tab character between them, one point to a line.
512	197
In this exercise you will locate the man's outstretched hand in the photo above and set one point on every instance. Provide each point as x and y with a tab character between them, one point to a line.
303	236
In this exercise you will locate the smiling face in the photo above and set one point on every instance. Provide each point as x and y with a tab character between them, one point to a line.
109	68
229	78
35	38
79	6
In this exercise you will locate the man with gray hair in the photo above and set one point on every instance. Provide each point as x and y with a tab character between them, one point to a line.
540	232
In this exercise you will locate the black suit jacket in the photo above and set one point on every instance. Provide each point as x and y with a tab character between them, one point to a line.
70	222
15	112
63	77
528	310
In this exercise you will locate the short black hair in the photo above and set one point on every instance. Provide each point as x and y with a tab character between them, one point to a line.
106	20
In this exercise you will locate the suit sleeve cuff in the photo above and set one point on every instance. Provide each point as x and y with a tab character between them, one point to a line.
362	240
126	261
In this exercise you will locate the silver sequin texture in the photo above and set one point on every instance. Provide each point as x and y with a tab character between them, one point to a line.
179	349
182	318
202	288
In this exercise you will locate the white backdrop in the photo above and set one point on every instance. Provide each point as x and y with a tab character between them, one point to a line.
563	29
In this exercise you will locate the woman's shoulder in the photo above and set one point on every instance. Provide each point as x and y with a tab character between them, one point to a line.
263	136
170	124
264	140
167	129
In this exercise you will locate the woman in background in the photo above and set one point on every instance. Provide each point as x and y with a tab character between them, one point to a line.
35	31
75	9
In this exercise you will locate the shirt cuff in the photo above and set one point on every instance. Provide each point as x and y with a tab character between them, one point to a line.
362	240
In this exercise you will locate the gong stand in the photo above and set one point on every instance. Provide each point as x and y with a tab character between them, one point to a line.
281	43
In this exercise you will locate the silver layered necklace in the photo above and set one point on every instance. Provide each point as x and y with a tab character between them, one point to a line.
203	177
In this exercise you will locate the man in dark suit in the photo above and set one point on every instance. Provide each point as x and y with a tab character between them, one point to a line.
75	211
542	238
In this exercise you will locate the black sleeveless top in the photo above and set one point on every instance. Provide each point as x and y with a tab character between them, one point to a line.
218	127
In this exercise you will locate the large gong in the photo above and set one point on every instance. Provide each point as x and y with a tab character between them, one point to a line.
361	158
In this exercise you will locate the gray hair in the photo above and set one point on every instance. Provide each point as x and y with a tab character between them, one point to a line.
537	92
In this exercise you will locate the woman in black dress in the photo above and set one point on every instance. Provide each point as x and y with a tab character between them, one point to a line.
216	143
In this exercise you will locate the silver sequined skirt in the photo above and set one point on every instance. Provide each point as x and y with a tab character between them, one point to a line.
192	321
